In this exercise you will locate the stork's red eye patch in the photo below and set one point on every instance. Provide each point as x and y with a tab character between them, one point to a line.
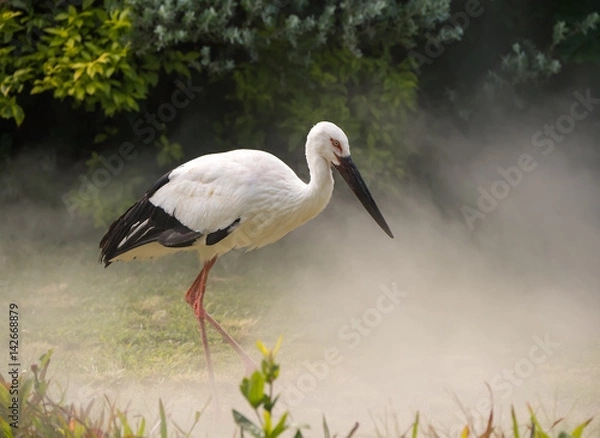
336	144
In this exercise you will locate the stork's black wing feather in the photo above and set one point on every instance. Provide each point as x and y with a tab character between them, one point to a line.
144	223
216	236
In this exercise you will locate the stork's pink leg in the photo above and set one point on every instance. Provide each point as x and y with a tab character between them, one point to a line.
192	292
195	297
250	364
199	284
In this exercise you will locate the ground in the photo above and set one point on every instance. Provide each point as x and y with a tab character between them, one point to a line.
373	330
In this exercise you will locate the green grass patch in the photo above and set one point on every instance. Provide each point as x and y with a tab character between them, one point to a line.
130	319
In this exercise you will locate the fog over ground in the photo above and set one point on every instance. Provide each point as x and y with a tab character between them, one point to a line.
500	289
443	308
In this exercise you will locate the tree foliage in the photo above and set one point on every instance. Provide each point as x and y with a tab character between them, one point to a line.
77	53
269	70
224	29
522	72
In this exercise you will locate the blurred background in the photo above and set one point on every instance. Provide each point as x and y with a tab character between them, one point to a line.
476	124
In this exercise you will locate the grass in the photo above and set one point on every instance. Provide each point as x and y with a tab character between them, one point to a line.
41	415
129	318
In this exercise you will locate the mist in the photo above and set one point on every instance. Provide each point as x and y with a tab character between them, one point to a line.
494	300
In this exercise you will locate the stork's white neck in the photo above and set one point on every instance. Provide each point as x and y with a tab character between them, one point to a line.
320	187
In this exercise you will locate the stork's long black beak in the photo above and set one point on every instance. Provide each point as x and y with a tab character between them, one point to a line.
351	175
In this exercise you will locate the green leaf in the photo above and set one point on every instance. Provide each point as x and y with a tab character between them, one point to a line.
579	429
142	428
415	428
99	138
77	74
270	403
20	73
126	428
163	420
281	426
262	348
18	114
326	433
267	425
253	389
37	89
79	93
515	426
277	345
132	104
247	425
5	398
535	424
6	428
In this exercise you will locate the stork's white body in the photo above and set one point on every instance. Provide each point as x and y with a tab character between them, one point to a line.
211	192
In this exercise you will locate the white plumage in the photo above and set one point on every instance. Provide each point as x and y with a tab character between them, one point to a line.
238	199
211	192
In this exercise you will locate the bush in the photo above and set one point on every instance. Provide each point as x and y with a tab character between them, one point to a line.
80	54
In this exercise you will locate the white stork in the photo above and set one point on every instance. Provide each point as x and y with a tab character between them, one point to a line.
237	199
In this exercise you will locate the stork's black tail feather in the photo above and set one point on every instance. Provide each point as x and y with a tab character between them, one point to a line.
145	223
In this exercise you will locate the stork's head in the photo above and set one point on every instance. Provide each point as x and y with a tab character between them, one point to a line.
330	142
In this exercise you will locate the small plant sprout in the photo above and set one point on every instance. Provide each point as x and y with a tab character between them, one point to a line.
253	390
263	402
